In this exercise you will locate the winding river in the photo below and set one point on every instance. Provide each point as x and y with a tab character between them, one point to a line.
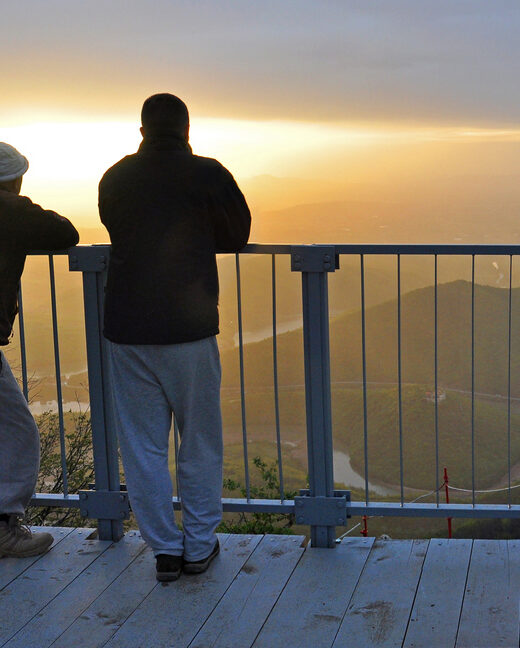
344	473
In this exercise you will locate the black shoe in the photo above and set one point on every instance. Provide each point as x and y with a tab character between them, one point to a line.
199	566
168	567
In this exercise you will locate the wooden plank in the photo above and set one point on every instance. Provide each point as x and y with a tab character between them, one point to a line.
61	612
309	610
436	611
39	584
490	610
380	608
11	568
94	627
173	615
242	611
103	618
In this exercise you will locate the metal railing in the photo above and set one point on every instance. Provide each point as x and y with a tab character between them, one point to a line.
57	364
320	506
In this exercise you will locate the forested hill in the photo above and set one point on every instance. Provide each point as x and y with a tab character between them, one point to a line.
417	340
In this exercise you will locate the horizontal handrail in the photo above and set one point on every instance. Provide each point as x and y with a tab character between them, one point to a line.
355	509
391	248
465	249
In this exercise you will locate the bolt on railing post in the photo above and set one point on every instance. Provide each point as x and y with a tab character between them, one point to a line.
314	262
93	262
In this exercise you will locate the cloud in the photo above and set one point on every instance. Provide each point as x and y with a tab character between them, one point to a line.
428	61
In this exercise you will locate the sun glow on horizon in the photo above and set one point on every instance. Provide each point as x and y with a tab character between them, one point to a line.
67	157
82	149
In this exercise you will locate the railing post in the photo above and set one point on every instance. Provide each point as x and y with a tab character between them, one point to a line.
106	503
315	262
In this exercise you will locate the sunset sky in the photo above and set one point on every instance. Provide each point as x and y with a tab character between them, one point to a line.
383	93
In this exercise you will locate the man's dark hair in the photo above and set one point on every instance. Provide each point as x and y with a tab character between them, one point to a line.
164	114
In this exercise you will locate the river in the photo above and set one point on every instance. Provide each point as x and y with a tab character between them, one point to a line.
38	407
344	473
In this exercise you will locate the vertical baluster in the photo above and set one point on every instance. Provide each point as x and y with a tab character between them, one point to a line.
399	379
509	381
23	354
364	365
242	382
275	383
63	449
436	386
473	378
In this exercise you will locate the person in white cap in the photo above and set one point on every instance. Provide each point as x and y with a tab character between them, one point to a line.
24	226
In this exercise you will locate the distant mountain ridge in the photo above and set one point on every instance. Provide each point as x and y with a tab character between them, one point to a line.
376	221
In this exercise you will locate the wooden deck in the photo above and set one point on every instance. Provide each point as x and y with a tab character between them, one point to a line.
265	591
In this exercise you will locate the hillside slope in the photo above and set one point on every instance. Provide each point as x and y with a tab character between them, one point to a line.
417	340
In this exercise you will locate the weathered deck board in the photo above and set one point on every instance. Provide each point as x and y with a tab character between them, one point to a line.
252	594
179	609
50	574
84	595
379	611
436	611
11	568
490	610
94	627
309	610
56	617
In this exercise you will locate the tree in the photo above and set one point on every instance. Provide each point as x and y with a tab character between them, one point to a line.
79	462
269	488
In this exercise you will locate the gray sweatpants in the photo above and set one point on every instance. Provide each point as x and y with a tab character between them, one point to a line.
19	445
149	383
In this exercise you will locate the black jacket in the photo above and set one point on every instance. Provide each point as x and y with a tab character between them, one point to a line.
167	211
24	226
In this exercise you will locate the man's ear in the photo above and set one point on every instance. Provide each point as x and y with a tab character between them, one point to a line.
142	131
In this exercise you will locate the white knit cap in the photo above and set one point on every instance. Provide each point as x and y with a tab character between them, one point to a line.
12	164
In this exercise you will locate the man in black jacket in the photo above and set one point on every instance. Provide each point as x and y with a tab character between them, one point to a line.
24	226
168	212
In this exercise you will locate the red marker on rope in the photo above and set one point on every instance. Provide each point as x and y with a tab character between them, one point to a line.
446	482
